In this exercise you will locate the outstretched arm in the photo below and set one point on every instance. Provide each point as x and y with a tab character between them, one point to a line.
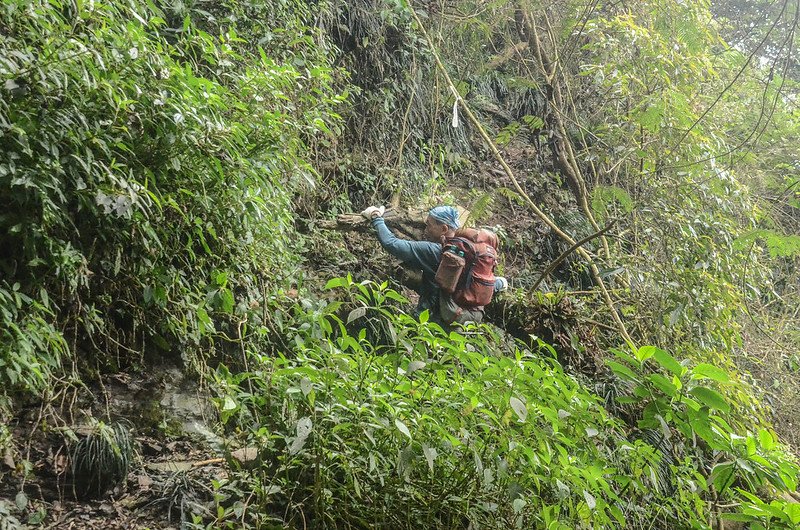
421	254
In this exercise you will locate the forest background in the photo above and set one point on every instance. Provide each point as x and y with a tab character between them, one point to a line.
168	174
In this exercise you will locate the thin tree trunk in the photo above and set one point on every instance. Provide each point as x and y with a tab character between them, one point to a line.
543	216
561	146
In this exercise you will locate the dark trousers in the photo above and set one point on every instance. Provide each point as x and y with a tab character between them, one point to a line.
453	313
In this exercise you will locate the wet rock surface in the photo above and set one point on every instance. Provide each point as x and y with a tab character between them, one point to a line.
170	403
177	453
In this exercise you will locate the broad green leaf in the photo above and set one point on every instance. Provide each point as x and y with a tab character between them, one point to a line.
618	515
766	440
645	352
699	422
793	512
741	463
711	398
45	298
669	362
789	475
624	356
334	282
760	460
751	445
228	404
622	371
226	300
722	476
394	295
663	384
402	428
206	325
650	118
739	517
704	370
776	509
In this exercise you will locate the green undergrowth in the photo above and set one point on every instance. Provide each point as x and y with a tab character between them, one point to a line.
149	157
157	159
369	418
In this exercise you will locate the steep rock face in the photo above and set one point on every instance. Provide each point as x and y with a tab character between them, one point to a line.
156	166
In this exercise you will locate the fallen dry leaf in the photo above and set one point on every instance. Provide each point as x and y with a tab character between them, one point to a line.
144	481
8	460
245	454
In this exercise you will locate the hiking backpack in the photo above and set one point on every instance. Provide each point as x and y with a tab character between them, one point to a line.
466	269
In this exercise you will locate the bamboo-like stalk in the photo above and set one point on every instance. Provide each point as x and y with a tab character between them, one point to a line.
569	251
562	148
539	213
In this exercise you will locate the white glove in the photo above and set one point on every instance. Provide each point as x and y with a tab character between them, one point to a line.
503	284
373	212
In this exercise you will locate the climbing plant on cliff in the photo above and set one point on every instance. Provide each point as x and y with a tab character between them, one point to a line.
165	167
147	169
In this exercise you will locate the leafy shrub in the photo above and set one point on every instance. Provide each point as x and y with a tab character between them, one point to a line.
147	169
30	347
432	429
718	434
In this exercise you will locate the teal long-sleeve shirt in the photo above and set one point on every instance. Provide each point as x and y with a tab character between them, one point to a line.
421	255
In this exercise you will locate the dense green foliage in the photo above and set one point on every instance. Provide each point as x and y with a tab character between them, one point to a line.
163	164
418	428
147	173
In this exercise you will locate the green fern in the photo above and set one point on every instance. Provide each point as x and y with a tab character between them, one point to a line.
779	245
480	208
603	196
511	195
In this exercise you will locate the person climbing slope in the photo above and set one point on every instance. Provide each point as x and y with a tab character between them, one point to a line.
457	265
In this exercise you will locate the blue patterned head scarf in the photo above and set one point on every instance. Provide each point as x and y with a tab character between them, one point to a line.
445	214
